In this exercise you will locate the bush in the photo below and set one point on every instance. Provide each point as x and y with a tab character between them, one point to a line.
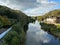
16	36
51	28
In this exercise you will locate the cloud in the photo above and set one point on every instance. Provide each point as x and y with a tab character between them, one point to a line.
30	7
46	2
38	11
43	6
19	4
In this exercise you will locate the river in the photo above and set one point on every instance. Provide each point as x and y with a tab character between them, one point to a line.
37	36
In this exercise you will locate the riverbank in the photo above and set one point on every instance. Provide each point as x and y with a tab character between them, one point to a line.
51	28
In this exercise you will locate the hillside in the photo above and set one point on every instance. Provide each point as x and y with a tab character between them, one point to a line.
19	22
52	13
52	28
13	14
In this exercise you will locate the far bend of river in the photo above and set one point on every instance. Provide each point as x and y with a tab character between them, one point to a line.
36	36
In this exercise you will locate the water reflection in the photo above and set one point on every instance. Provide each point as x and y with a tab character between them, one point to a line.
36	36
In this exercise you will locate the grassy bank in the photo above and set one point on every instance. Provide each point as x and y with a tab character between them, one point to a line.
51	28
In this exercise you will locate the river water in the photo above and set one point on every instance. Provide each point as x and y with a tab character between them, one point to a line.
36	36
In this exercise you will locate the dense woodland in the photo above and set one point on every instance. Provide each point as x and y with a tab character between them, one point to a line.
19	23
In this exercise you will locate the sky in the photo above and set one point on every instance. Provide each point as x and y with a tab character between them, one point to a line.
32	7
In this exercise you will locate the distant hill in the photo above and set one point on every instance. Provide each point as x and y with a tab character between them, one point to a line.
54	13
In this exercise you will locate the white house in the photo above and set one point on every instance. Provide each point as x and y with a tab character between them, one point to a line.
50	20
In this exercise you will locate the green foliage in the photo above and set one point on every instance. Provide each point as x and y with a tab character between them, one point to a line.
15	41
39	18
47	27
16	36
4	21
51	28
55	13
20	20
15	14
3	43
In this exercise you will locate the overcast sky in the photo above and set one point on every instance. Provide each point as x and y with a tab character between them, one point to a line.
32	7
